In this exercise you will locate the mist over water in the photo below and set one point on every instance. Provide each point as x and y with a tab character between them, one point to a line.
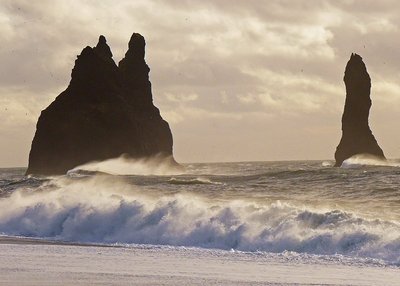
368	160
305	207
156	165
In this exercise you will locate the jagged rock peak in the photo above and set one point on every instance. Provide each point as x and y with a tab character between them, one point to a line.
106	111
102	49
135	72
134	57
356	71
355	60
102	40
357	137
137	45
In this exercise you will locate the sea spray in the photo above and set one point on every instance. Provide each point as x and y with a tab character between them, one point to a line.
109	209
368	160
155	165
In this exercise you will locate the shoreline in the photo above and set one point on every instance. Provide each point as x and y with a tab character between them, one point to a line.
26	261
37	241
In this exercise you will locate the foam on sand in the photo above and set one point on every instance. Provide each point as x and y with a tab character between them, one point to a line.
79	265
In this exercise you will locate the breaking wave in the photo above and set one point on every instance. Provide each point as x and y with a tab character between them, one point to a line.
107	209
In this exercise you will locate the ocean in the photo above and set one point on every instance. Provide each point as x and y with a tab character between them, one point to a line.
294	210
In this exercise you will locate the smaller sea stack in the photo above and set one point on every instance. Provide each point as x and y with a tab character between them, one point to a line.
357	137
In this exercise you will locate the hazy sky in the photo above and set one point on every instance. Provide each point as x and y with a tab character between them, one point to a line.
236	80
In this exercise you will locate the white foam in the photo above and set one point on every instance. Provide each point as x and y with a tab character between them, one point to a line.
195	181
327	164
106	209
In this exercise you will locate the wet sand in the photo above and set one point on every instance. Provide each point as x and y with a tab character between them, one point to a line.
33	241
25	261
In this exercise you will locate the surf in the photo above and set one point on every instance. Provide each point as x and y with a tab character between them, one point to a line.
110	210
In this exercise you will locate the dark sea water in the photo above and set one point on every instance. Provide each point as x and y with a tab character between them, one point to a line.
303	207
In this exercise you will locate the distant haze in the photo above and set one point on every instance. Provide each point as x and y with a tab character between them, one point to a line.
236	80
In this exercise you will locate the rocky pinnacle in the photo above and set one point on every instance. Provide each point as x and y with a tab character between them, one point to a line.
357	137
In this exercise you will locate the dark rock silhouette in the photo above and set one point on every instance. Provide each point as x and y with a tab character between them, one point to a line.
107	110
357	137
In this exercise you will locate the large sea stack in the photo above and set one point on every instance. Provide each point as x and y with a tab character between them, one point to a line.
357	137
106	111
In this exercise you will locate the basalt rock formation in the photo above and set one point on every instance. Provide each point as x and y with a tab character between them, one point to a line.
357	137
106	111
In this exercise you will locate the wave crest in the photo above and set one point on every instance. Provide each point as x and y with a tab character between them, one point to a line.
102	209
195	181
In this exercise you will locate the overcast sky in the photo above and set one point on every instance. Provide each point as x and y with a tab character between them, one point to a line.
236	80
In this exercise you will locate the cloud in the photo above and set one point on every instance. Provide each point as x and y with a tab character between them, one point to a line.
216	68
181	97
